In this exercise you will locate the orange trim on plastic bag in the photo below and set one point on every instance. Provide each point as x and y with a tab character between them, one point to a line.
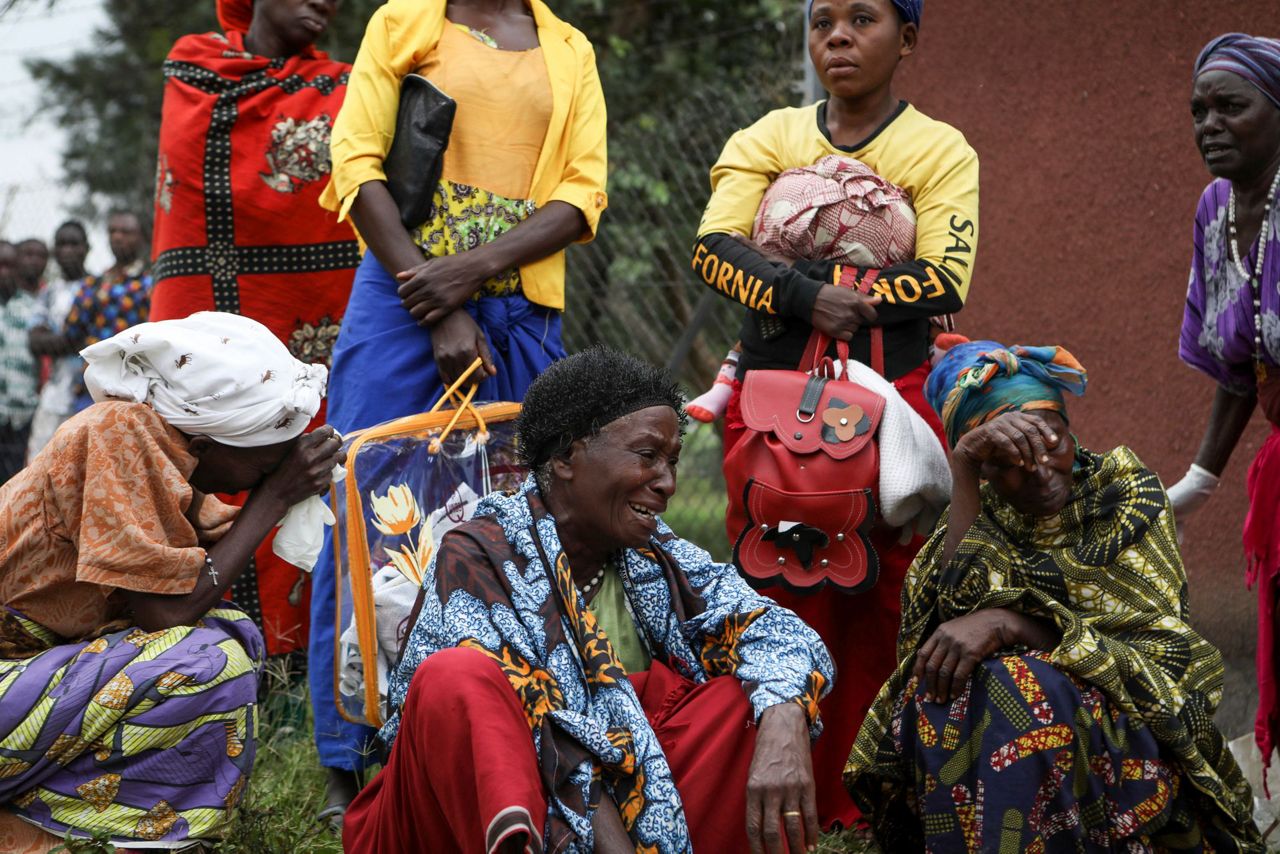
465	417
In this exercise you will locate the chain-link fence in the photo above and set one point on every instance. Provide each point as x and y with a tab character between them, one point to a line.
633	288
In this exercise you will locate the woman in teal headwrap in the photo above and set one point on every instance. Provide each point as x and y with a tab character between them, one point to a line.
1050	693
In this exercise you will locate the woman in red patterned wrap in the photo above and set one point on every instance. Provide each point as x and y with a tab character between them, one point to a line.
244	154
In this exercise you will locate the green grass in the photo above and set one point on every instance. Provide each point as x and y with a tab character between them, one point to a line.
696	512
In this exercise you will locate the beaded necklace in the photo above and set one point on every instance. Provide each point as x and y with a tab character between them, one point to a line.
593	583
1254	280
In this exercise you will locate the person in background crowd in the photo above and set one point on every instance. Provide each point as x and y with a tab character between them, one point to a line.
1051	694
8	264
238	226
577	677
128	687
1231	328
58	395
855	47
116	300
18	370
483	277
33	259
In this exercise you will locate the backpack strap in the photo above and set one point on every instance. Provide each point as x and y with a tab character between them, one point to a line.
815	350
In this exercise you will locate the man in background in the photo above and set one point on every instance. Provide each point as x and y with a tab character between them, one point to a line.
33	258
46	339
17	365
118	299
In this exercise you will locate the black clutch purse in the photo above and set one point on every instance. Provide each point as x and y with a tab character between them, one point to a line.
414	163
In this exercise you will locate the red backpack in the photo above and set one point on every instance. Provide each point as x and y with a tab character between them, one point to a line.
803	480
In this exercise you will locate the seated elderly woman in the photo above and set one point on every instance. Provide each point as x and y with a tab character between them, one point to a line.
1050	693
127	685
579	678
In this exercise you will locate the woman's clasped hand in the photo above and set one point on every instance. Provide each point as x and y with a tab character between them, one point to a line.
438	287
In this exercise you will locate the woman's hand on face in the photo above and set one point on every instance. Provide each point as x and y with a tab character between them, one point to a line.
439	286
308	470
947	660
840	312
780	784
456	342
1012	439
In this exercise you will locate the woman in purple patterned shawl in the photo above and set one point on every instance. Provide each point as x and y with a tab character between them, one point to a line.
1231	330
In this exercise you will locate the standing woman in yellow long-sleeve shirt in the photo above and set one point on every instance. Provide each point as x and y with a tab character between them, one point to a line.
855	47
524	176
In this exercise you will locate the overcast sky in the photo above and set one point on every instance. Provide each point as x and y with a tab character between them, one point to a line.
32	198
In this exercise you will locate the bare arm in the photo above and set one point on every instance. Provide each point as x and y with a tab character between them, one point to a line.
1227	420
955	649
43	341
438	286
378	220
306	472
781	802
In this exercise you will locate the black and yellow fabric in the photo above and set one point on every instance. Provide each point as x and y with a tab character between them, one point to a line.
1106	570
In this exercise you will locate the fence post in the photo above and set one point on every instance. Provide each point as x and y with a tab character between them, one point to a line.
810	89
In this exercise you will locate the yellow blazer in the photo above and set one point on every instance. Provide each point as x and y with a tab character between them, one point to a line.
573	163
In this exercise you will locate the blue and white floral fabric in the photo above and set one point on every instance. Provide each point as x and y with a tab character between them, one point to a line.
501	584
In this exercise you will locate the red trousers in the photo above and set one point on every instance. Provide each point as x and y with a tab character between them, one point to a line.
463	775
860	632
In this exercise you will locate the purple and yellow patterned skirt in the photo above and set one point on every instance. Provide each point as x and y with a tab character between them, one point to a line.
1030	759
142	736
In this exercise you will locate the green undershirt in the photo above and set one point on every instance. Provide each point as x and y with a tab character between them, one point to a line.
610	608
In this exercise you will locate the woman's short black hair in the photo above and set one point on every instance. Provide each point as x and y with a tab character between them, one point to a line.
576	397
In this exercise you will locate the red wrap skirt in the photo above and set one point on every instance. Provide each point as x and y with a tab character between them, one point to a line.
860	631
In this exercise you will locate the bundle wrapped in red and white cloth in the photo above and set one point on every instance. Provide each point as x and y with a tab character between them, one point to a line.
837	210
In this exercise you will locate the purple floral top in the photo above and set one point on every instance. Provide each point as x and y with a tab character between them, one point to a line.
1218	326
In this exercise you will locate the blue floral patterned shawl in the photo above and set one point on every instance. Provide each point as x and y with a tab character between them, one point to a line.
501	584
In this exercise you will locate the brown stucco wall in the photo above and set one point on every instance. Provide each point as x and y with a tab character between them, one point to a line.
1078	112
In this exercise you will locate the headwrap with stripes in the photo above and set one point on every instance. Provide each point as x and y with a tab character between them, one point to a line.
1254	58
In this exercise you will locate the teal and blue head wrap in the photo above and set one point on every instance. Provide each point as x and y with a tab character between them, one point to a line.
979	380
909	11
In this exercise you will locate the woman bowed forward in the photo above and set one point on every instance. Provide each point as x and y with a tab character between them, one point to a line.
1051	692
128	685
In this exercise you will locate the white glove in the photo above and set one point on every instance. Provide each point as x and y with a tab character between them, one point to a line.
1191	493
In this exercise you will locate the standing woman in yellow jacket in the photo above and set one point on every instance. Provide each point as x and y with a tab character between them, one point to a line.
524	176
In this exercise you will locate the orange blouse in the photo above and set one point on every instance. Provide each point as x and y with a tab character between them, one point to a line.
504	109
103	508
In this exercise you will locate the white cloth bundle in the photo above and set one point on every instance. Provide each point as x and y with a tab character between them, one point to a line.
226	377
915	475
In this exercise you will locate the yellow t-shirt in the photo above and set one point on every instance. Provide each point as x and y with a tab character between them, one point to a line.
929	159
